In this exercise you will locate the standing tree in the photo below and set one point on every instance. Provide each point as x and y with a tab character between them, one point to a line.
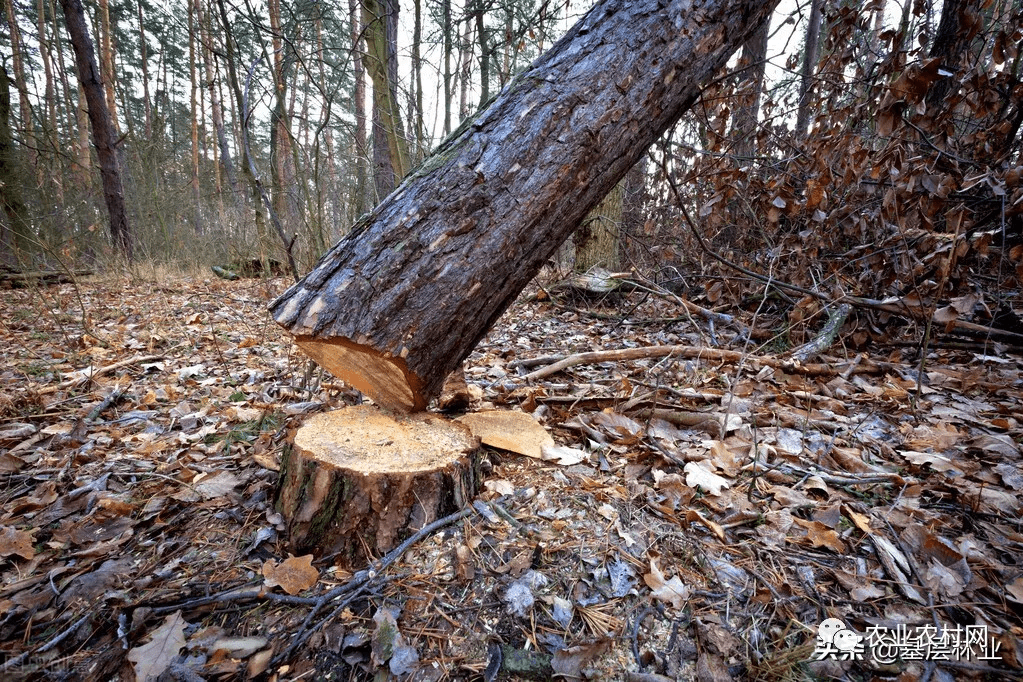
103	136
598	238
810	52
14	231
398	303
751	81
360	143
390	148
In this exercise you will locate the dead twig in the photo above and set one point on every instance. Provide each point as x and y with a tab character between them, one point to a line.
361	580
54	641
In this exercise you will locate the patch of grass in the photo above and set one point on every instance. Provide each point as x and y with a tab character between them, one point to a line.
247	432
35	369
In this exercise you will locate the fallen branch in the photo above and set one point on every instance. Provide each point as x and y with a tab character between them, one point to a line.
691	352
42	277
827	336
77	381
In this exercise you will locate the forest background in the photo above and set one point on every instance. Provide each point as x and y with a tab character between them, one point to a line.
843	135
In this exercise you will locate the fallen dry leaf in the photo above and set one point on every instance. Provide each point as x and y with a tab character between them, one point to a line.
697	476
670	591
150	660
821	536
293	575
14	541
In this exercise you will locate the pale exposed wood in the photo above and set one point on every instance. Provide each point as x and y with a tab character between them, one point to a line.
358	480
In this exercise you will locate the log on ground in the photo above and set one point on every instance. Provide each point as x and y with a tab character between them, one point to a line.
357	481
400	301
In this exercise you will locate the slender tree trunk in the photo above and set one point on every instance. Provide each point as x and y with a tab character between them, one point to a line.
239	100
106	60
448	41
481	36
390	148
280	136
193	83
18	65
69	98
361	201
50	92
751	82
416	122
810	53
15	233
144	60
216	113
509	29
465	53
103	133
332	191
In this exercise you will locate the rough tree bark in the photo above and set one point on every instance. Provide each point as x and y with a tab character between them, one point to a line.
810	54
751	83
397	304
15	233
103	131
598	238
390	148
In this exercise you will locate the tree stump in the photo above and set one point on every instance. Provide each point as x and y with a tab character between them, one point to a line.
359	480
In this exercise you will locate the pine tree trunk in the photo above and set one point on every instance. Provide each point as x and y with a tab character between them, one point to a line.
18	66
751	82
106	62
193	90
361	142
397	304
390	148
598	238
147	103
15	234
216	113
448	40
103	133
810	52
50	92
240	118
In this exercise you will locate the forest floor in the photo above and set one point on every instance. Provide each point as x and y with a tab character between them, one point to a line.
707	512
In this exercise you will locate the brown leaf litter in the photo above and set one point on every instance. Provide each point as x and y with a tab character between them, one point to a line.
699	516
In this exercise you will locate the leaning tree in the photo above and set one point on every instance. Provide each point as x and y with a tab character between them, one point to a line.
400	301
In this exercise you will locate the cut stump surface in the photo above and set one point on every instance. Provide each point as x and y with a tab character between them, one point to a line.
357	481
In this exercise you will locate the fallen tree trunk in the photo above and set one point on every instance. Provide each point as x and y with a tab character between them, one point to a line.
397	304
